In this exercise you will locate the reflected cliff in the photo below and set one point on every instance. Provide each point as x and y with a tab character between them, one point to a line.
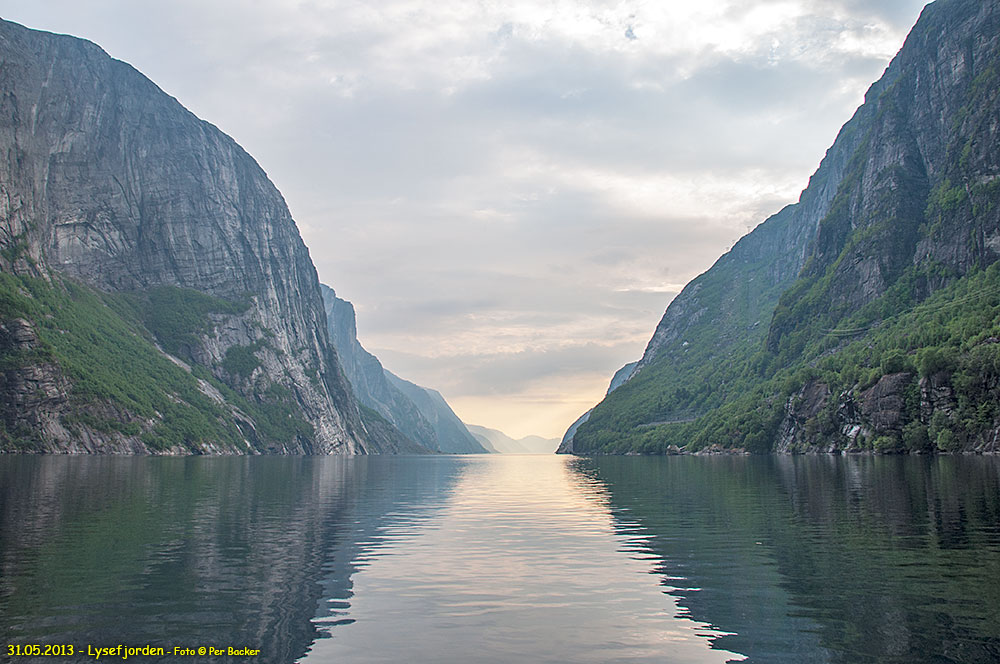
194	551
822	559
507	558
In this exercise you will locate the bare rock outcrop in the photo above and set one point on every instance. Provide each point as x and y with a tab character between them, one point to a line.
108	181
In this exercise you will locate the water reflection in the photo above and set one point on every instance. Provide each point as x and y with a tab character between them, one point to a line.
191	552
499	559
522	563
823	559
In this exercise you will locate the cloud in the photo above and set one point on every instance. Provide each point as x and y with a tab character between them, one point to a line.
512	192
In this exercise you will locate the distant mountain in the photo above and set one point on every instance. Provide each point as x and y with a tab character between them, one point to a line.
504	444
419	413
867	315
452	434
155	294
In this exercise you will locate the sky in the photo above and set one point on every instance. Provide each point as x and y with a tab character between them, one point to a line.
511	192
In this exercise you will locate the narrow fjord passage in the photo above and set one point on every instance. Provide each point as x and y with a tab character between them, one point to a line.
522	562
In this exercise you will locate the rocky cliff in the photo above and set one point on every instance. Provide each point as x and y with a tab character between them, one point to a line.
451	433
127	221
421	414
822	327
918	200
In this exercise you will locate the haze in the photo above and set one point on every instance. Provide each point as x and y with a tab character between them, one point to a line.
511	193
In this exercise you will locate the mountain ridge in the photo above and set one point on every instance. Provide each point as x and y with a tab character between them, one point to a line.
128	223
791	341
420	413
504	444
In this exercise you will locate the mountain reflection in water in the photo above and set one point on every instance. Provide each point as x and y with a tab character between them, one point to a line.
521	563
189	552
507	558
824	558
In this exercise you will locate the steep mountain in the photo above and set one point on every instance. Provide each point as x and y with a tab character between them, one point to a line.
452	434
421	414
622	375
504	444
155	295
865	315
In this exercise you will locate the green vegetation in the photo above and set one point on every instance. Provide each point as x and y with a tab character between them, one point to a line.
99	423
177	315
14	250
372	416
899	282
241	360
701	367
953	337
277	416
122	383
109	360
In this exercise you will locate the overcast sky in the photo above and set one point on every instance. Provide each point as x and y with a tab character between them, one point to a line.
511	192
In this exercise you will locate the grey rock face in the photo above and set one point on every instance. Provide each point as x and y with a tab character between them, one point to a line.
883	403
451	433
923	178
421	414
106	179
34	395
904	203
815	420
566	444
936	395
34	400
882	165
758	268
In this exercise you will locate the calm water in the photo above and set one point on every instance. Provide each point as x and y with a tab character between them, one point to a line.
505	558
